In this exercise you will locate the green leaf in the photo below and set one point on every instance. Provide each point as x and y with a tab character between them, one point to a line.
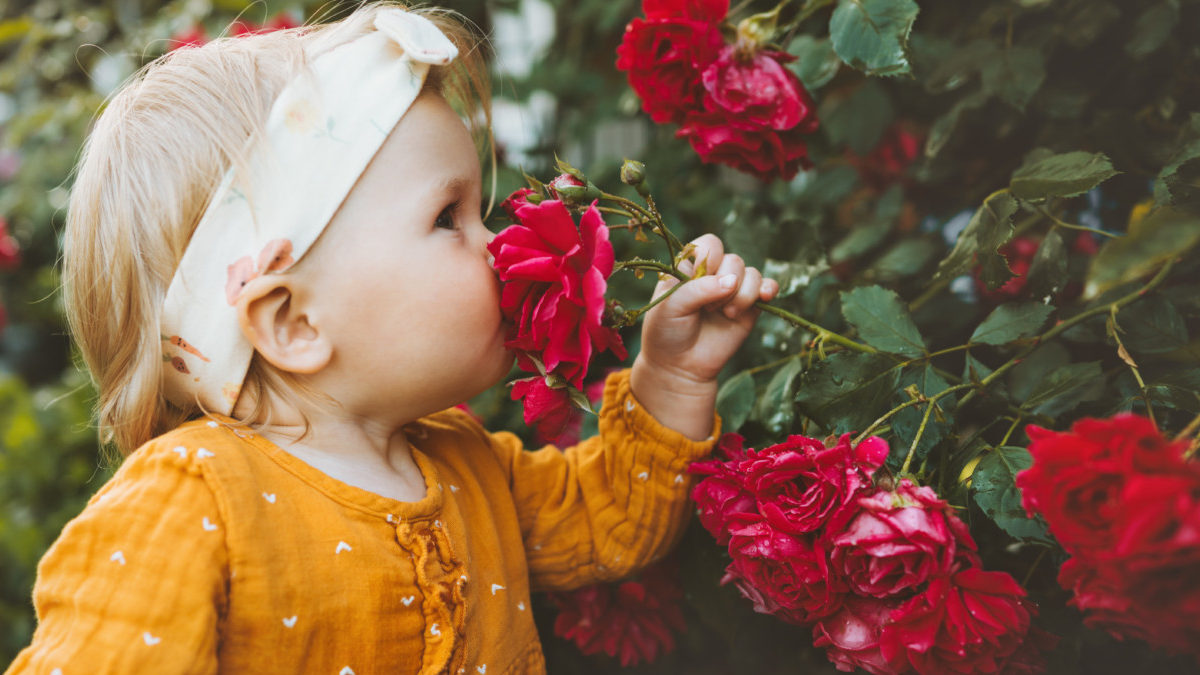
1066	175
816	62
1064	388
1032	369
942	129
872	35
776	408
905	259
1177	184
848	390
996	492
1014	75
1152	29
735	400
860	119
990	228
1182	182
882	320
907	421
1161	236
870	234
1048	270
1010	322
1152	325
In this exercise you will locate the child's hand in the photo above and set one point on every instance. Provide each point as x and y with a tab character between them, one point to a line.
689	337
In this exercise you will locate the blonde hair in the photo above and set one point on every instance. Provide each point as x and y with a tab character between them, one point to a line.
149	168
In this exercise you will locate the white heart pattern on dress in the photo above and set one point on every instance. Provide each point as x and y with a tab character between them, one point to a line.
496	587
409	600
342	546
433	630
181	450
346	671
56	671
290	622
482	668
202	453
118	556
678	478
645	475
269	496
208	524
521	606
150	639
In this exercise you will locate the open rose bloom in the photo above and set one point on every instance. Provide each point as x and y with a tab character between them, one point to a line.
555	273
888	579
1123	501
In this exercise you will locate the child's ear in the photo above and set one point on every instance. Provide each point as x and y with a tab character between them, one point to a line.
278	327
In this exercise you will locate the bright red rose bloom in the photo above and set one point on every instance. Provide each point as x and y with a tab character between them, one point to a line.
634	621
757	89
897	541
971	622
547	409
555	274
722	494
665	53
851	636
782	574
1078	477
191	37
515	201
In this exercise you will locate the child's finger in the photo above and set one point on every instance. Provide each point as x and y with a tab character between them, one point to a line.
769	289
747	293
732	266
707	247
697	294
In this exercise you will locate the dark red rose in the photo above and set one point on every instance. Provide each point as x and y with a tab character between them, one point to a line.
758	90
1030	657
851	636
1078	477
546	408
780	573
889	160
752	148
1019	253
897	541
634	621
665	53
515	201
971	622
555	275
10	251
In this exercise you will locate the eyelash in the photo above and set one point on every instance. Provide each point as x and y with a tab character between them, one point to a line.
447	213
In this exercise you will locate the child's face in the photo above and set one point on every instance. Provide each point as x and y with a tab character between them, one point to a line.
406	288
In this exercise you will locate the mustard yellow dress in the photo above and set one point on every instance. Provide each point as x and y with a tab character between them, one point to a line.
214	551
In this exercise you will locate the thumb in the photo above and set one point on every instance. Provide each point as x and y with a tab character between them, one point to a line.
694	295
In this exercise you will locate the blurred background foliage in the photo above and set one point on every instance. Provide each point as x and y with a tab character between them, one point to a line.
901	164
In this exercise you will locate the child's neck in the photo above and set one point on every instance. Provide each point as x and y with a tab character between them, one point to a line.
364	453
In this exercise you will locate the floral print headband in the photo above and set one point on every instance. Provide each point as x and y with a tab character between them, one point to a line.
321	133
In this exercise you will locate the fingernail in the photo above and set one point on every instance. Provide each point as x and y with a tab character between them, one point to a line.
728	280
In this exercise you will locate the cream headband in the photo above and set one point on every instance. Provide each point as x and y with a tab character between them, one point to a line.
321	133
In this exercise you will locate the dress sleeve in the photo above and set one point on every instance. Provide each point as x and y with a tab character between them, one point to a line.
137	582
608	506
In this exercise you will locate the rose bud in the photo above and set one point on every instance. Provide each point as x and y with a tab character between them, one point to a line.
633	172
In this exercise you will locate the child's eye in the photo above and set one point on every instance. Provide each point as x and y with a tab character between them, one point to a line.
445	219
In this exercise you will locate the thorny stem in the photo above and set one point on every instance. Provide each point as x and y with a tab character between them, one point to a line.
1188	431
912	449
1055	331
1137	375
1072	226
1011	429
634	315
1034	566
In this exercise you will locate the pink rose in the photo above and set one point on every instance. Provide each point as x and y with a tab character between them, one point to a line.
545	408
555	275
851	636
897	541
757	89
971	622
780	573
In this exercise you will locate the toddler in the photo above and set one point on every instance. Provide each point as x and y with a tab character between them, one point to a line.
276	271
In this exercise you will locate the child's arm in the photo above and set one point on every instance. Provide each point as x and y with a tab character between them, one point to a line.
135	583
618	501
688	338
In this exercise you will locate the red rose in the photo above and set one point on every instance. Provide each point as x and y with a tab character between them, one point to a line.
10	251
545	408
281	21
1078	477
851	636
515	201
968	623
634	621
665	53
890	159
1019	254
752	148
555	275
563	180
192	37
897	541
757	89
780	573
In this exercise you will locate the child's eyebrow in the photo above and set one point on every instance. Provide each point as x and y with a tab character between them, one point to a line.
454	185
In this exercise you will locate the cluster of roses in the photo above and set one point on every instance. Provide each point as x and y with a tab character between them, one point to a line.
735	103
1123	501
555	274
887	576
634	621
